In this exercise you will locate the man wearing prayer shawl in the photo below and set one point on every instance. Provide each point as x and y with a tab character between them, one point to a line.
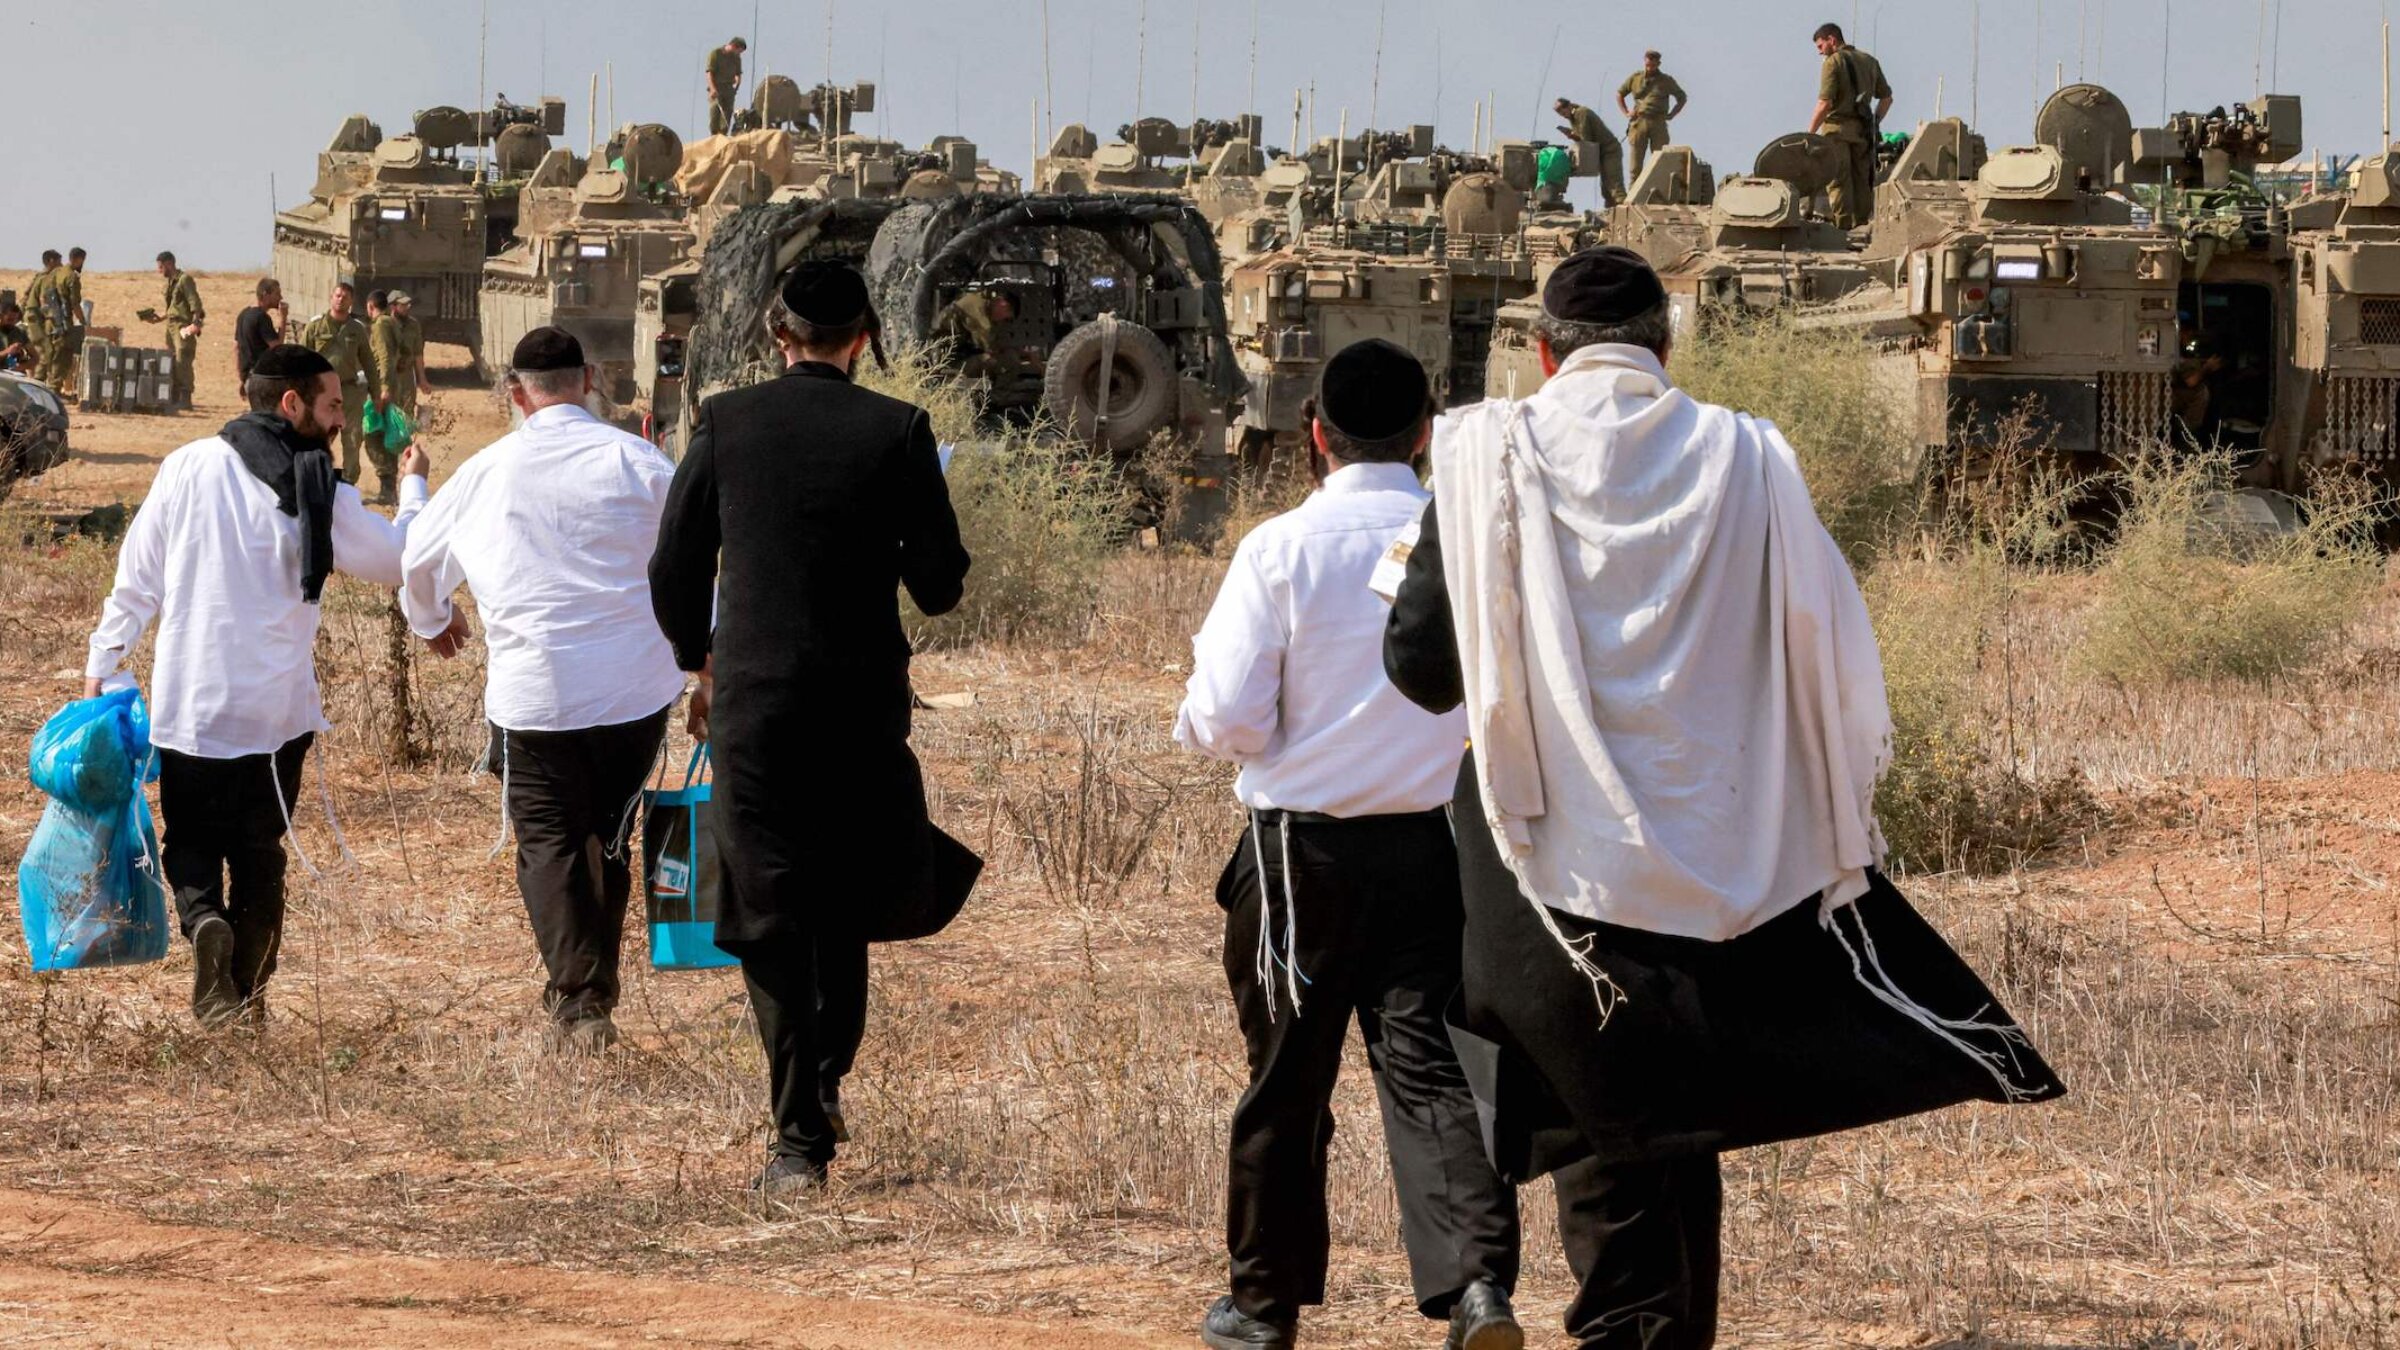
1677	939
811	501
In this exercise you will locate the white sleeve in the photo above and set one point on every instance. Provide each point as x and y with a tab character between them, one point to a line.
141	583
430	568
1231	705
367	546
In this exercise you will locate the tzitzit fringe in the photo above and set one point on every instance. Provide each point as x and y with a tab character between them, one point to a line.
1267	959
1880	984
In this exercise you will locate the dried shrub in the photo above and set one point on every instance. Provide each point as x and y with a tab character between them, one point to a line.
1833	397
2191	590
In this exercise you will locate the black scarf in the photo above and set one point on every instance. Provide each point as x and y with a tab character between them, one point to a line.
300	471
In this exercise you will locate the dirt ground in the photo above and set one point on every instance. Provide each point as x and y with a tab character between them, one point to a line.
2213	965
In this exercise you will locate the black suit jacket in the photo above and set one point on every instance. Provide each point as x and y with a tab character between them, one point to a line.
812	501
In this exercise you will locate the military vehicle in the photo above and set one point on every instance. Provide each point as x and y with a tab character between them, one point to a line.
2345	259
1156	157
755	243
418	212
586	237
33	430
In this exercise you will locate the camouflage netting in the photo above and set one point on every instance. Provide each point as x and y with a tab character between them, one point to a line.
745	256
1101	242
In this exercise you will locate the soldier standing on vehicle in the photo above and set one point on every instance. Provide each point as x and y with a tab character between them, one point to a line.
724	80
1584	126
1649	99
183	319
340	338
1852	101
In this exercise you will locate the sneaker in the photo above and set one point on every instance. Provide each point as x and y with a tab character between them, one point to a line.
214	1000
1484	1321
787	1179
1229	1328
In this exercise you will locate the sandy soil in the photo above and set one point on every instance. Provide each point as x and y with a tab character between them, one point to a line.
91	1276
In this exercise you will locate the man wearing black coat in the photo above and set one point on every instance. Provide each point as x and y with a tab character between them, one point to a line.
803	504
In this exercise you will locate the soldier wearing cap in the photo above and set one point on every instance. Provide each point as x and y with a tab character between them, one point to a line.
1678	939
396	342
1341	896
802	505
551	527
1606	155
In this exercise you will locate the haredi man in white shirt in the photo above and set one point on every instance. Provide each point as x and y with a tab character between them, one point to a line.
252	519
551	527
1342	894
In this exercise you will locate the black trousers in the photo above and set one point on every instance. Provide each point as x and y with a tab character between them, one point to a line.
221	818
1376	935
568	795
1642	1240
809	995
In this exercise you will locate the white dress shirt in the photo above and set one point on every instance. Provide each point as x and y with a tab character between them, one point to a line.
212	559
552	527
1287	672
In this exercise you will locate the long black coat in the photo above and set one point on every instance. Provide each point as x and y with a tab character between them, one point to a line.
1718	1045
800	509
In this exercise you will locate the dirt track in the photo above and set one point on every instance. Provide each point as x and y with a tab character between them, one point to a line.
72	1273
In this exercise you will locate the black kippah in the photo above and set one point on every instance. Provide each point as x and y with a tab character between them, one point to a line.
826	294
547	349
1604	285
290	361
1373	390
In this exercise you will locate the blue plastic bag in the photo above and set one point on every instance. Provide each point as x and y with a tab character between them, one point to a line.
91	753
682	877
89	887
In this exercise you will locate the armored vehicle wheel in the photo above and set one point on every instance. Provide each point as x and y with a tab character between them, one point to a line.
1141	383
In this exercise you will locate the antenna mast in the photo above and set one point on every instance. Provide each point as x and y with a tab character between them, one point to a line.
1191	162
483	34
1141	57
1049	120
1375	81
1250	105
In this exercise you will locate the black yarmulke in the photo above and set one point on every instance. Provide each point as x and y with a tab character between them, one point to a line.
290	361
826	294
1373	390
547	349
1604	285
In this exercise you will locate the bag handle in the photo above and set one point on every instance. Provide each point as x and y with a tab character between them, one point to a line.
700	761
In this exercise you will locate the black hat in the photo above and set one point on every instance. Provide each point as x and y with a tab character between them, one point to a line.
828	295
1373	390
290	361
1604	285
547	349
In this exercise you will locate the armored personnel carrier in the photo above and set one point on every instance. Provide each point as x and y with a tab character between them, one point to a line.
586	237
1156	157
417	212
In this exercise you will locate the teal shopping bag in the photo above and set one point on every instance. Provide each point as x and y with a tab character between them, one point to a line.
682	876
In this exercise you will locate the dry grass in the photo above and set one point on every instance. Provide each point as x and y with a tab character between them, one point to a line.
1042	1099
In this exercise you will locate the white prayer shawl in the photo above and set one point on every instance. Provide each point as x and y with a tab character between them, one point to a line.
1673	687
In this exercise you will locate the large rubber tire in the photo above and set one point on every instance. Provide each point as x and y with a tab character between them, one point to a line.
1141	388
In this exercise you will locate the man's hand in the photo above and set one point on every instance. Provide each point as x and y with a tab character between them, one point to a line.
414	462
91	686
695	721
450	641
189	330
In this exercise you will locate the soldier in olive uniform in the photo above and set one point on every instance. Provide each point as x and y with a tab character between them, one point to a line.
16	345
1582	124
397	344
339	337
724	79
183	318
45	316
1649	99
1852	100
70	285
973	320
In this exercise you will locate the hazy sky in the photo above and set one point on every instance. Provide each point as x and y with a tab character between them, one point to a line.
149	124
